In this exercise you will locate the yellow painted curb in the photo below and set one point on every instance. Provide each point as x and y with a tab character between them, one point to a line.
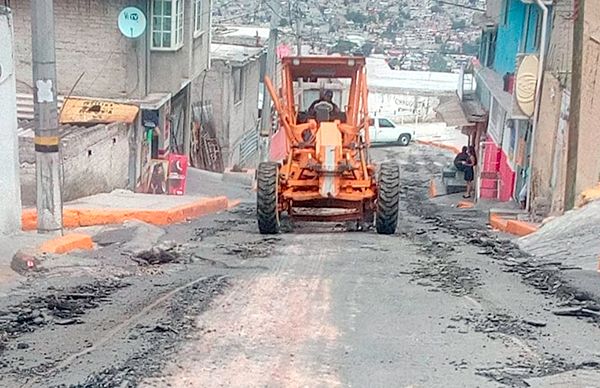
73	218
233	204
443	146
465	205
67	243
432	189
514	227
589	195
520	228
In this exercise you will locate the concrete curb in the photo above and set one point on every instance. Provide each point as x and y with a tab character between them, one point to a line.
465	205
514	227
67	243
432	188
73	218
443	146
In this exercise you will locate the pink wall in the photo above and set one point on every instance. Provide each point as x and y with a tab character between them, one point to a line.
496	161
507	179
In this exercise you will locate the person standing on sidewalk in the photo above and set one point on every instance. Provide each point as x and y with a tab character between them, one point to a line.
470	164
461	158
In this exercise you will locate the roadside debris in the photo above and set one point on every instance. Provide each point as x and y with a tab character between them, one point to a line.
148	362
251	249
60	306
165	252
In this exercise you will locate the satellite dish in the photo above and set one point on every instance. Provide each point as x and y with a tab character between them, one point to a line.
132	22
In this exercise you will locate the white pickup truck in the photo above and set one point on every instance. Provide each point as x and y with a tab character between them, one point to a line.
383	131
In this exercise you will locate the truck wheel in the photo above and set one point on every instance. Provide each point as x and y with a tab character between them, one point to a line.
267	193
388	198
404	139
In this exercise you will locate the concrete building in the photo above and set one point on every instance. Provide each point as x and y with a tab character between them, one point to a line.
95	158
583	171
10	200
156	71
509	39
549	158
232	88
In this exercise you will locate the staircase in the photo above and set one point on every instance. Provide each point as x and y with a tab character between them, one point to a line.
453	180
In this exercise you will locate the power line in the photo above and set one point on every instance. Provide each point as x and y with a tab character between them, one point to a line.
461	6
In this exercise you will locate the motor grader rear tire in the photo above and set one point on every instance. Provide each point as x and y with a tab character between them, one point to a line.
386	219
267	191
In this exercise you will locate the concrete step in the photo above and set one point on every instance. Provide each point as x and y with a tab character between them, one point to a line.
449	172
436	188
454	186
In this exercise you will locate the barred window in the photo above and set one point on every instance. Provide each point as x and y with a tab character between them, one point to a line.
167	24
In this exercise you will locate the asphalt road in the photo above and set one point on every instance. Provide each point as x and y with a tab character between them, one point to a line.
443	303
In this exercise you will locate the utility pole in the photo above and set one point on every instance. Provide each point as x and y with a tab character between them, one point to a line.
575	106
298	18
10	200
48	165
270	71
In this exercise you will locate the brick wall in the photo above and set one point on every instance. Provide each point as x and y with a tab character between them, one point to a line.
588	164
545	147
87	41
95	160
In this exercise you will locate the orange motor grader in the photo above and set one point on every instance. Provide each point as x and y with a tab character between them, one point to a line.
326	174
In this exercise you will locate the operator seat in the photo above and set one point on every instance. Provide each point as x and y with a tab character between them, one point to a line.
323	111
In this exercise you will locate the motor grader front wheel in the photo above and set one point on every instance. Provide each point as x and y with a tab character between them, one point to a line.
386	218
267	194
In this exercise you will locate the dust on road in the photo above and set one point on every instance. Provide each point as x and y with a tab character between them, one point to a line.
444	302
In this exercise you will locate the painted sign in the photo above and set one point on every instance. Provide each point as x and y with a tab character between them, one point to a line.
88	111
526	83
177	177
132	22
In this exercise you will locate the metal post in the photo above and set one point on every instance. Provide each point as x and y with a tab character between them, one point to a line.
10	200
265	120
298	18
47	138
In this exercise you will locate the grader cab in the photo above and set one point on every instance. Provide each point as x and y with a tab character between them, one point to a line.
326	174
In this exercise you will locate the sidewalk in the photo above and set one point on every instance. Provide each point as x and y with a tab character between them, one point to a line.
207	193
439	135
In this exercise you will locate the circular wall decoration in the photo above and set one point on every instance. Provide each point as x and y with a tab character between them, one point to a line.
526	83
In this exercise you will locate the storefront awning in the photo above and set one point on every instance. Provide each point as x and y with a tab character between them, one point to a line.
92	111
452	113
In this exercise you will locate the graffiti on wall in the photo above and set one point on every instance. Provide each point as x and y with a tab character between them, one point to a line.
403	105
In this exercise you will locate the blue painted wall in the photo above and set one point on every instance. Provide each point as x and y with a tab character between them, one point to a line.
531	28
516	34
510	33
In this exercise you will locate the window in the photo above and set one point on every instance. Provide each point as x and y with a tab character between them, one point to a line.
385	123
167	24
198	16
238	84
506	11
538	32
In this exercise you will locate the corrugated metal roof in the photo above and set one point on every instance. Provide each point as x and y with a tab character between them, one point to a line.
25	105
25	128
235	53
